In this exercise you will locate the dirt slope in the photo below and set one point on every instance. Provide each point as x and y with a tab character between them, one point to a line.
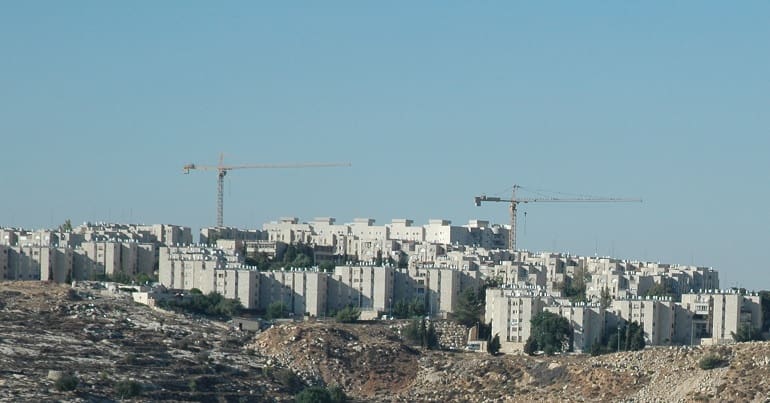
48	329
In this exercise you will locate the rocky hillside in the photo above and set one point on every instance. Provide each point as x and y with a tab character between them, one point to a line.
105	342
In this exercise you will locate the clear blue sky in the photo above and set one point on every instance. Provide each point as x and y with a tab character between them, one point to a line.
102	103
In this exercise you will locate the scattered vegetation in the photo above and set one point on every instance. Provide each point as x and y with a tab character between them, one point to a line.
711	361
213	304
318	394
277	310
67	383
348	315
299	255
66	227
122	277
663	289
126	389
404	309
605	299
287	379
746	333
418	332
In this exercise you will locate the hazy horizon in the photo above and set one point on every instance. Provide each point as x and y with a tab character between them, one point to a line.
433	103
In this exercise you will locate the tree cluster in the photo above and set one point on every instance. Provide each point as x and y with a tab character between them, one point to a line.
299	255
348	314
470	306
605	299
550	333
418	332
276	310
66	227
631	338
212	304
404	309
575	288
122	277
663	289
747	333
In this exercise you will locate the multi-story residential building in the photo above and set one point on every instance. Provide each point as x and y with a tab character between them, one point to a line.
329	234
209	270
655	315
271	249
515	274
482	234
443	232
717	314
510	312
210	235
365	287
303	292
38	262
288	230
364	229
587	322
439	287
402	229
110	258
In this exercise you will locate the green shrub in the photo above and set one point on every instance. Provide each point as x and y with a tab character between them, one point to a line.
712	361
318	394
348	315
67	383
337	394
530	347
493	346
315	394
211	304
277	310
288	379
127	388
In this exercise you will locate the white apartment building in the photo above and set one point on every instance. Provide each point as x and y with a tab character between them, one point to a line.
442	232
210	235
303	292
515	274
35	262
109	258
510	311
402	229
208	270
365	287
655	315
587	322
716	314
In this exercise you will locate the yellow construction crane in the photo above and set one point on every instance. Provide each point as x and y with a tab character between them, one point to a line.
515	201
222	169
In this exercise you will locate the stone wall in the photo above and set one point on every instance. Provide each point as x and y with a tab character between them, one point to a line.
451	335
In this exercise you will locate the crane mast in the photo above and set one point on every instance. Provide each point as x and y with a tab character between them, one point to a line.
222	170
514	202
